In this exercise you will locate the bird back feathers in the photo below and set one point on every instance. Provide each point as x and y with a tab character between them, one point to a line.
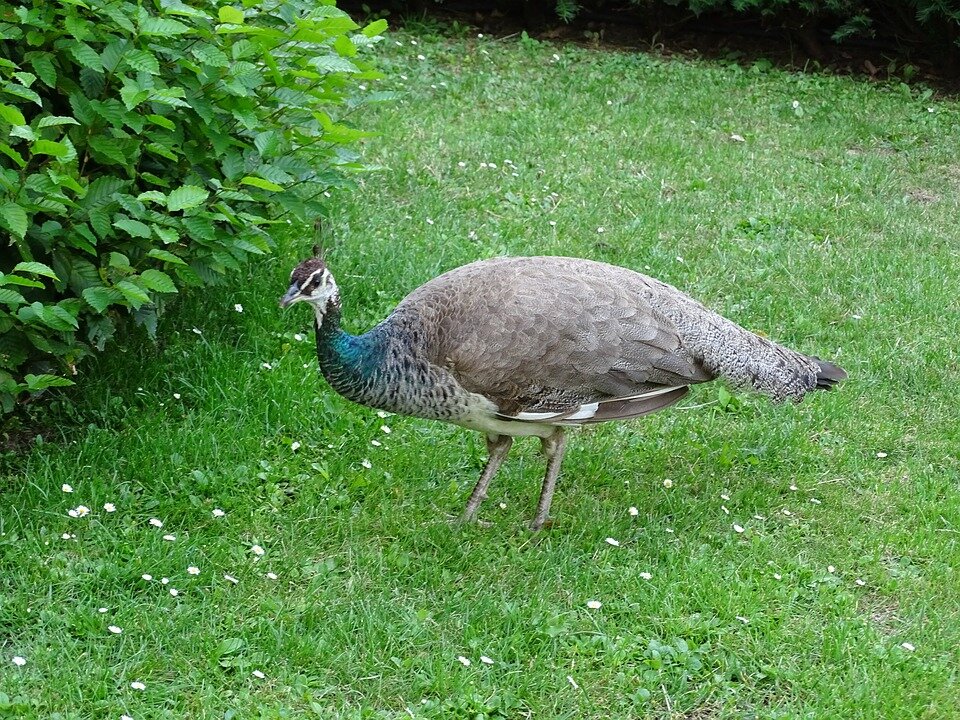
547	334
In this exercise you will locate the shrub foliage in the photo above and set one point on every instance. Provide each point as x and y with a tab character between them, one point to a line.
147	146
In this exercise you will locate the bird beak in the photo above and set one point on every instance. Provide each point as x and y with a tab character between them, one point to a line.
291	296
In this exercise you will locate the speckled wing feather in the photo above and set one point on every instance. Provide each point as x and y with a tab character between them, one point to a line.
546	334
549	334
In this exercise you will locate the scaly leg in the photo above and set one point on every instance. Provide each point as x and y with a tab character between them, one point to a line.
497	446
553	447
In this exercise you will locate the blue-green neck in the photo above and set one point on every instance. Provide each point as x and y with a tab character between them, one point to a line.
387	367
352	364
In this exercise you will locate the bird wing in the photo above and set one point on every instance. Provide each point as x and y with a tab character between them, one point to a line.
555	335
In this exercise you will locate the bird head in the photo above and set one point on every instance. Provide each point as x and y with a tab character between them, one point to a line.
312	282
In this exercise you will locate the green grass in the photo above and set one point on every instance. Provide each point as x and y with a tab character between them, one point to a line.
831	227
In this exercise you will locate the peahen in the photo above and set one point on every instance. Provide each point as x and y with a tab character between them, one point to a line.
533	345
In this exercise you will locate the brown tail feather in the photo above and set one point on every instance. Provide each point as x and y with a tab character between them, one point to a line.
830	374
629	408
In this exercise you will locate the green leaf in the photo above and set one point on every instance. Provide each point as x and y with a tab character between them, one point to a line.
260	183
162	26
11	297
131	226
52	120
115	13
36	268
158	149
186	197
268	143
377	27
166	256
210	55
162	122
132	94
26	79
153	196
42	382
119	260
17	280
12	115
82	110
142	61
200	227
155	179
333	64
133	294
14	218
42	64
12	154
100	297
100	221
110	110
175	7
167	236
49	147
108	150
344	46
21	92
112	53
23	131
59	318
232	15
85	55
157	281
230	646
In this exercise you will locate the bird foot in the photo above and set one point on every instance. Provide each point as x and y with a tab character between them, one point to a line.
537	525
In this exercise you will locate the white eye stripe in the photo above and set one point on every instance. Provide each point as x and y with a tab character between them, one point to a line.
312	275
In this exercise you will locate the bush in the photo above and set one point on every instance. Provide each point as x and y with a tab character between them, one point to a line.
147	146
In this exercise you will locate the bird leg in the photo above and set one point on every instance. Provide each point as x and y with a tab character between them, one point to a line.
553	447
497	446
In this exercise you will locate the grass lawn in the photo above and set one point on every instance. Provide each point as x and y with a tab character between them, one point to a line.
802	562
